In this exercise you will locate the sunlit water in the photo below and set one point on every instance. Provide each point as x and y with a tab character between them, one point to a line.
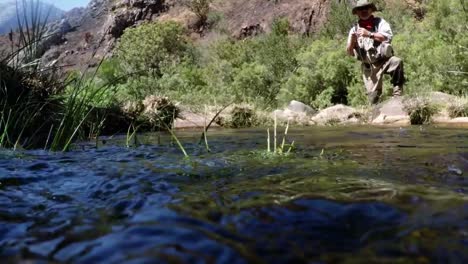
353	195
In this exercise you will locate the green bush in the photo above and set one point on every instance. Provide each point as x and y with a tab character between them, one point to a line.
420	110
253	70
435	49
340	20
148	48
201	8
458	108
323	66
252	84
242	117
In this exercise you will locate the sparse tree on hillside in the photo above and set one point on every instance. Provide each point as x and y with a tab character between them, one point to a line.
201	8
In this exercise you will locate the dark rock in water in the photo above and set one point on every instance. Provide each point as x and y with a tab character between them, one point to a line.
38	166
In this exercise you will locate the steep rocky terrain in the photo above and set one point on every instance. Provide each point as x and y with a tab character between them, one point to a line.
86	35
93	31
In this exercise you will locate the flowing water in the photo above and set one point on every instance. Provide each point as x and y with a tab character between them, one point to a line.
344	195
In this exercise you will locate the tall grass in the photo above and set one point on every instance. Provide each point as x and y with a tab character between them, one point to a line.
32	113
283	148
77	110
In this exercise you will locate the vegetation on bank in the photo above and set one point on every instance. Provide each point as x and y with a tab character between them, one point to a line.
159	60
269	70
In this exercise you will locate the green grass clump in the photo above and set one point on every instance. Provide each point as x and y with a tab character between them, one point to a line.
458	108
420	110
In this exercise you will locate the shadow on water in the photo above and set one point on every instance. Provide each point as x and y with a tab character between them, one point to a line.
349	195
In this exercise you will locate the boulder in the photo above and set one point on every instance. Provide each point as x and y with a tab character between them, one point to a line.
250	31
440	98
390	112
295	112
189	119
299	107
337	114
459	120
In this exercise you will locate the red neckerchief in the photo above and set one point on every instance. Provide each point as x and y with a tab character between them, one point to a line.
367	24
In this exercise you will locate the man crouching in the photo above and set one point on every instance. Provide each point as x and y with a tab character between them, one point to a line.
370	42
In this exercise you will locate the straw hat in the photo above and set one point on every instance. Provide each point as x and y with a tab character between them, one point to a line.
363	3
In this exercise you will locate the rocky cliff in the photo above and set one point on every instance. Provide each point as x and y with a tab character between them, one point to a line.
94	30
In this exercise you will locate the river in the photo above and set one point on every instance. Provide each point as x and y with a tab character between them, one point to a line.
343	195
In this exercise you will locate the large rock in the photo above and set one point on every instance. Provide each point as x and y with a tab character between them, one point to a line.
248	17
130	12
299	107
337	114
296	112
441	98
459	120
390	112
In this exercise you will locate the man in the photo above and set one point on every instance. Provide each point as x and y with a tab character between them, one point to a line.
369	41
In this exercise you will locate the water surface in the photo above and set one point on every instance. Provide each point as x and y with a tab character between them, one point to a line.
350	195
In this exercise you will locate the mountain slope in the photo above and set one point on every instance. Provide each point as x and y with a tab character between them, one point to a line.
9	19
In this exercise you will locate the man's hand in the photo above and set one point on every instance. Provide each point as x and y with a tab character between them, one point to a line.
362	32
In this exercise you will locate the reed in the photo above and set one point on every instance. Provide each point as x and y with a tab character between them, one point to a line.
283	148
132	135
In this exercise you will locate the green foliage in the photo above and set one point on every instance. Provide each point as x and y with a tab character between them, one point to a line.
111	72
397	14
150	47
340	20
184	78
76	112
435	50
323	75
252	83
280	26
357	94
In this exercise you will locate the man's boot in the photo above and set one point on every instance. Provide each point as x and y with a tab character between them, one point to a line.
397	90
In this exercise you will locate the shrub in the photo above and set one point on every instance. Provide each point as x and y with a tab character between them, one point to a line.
201	8
340	20
458	108
252	84
148	48
420	110
322	66
160	112
27	106
242	117
436	48
239	117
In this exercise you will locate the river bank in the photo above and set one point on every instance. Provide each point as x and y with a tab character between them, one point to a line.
434	108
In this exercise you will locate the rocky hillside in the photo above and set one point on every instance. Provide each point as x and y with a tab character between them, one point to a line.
88	34
9	19
93	31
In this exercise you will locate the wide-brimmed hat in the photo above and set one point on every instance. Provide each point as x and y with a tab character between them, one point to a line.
363	3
